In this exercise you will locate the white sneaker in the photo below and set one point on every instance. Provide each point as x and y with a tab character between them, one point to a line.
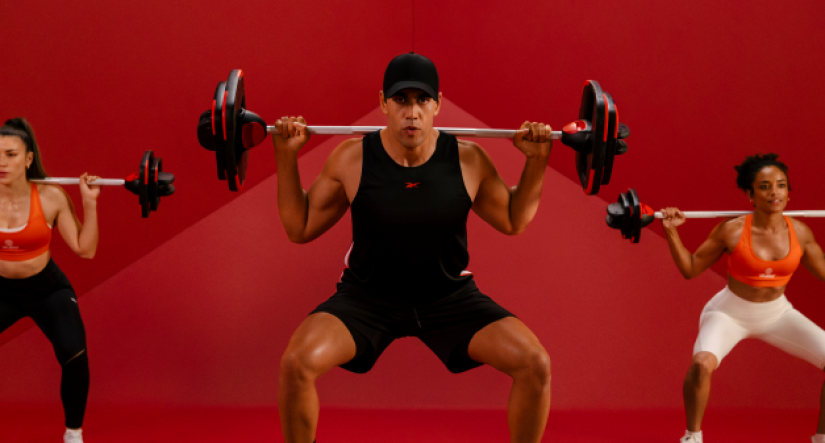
73	436
691	438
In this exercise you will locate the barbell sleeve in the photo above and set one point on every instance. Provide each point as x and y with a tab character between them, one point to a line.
733	214
464	132
76	181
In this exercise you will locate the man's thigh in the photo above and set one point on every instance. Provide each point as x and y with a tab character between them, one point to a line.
370	324
506	345
321	341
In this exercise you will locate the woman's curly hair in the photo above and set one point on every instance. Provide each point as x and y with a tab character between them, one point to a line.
747	170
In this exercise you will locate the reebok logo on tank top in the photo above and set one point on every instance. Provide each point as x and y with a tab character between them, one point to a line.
9	245
767	274
411	185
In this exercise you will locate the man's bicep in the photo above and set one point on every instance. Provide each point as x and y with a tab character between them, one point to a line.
492	203
327	203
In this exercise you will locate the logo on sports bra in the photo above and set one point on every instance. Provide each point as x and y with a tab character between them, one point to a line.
10	245
411	185
767	274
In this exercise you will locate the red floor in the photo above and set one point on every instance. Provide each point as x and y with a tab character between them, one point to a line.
42	425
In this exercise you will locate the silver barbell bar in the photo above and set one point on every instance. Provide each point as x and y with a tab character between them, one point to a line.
76	181
733	214
464	132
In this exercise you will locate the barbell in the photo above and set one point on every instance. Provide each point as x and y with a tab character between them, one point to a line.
231	130
150	183
630	215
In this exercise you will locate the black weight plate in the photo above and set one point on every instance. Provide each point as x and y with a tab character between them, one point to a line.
165	178
621	147
217	129
624	201
590	165
166	190
235	153
253	128
143	182
615	215
635	215
205	136
616	211
154	193
624	130
612	134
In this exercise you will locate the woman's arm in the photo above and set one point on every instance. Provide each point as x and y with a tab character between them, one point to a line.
691	265
812	257
81	238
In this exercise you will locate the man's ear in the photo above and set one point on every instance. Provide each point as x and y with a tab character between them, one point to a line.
383	103
438	103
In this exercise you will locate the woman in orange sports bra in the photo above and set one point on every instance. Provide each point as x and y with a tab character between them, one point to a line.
764	251
31	284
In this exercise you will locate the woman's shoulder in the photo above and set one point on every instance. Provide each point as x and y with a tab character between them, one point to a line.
52	194
803	232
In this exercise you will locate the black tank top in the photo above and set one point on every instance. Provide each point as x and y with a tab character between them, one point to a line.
409	225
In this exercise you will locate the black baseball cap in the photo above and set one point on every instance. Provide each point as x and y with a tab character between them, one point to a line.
411	70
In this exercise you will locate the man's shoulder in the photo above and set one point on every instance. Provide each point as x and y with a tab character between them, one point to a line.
470	150
349	153
349	146
472	154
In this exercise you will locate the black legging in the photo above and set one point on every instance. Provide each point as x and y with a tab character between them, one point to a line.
51	302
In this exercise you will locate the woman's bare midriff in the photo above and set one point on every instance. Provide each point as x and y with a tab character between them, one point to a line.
754	294
25	268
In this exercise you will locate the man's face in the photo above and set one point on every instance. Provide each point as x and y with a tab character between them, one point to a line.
410	115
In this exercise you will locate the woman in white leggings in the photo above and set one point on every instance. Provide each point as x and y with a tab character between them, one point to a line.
764	251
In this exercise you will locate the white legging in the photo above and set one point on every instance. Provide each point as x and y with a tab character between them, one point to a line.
728	319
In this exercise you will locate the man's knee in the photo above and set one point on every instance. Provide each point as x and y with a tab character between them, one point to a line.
302	365
535	365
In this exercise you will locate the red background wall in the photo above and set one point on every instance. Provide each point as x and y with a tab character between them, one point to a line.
195	304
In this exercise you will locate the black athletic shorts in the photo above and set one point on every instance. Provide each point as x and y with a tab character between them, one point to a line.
446	326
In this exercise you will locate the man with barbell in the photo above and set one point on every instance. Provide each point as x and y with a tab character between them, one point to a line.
410	189
764	249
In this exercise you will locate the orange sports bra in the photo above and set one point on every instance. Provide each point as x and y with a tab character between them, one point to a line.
30	240
746	267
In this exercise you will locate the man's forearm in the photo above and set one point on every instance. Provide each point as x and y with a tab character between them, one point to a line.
292	198
524	202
